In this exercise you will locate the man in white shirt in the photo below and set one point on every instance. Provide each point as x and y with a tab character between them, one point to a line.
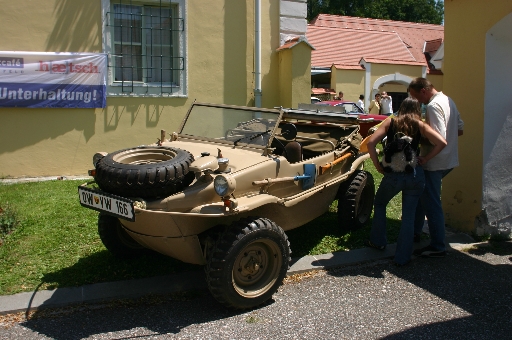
360	102
386	104
442	115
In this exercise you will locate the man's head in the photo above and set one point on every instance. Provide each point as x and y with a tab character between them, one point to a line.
340	94
361	96
422	90
384	94
377	96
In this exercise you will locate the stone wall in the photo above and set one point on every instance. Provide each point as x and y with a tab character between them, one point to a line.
292	22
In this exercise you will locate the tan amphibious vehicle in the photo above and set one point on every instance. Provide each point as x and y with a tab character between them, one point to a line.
223	190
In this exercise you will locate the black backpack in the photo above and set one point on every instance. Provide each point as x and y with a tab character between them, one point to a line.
399	154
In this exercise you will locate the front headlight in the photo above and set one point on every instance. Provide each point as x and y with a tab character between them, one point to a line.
224	185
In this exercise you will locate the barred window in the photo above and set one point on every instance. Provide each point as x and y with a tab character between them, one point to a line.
145	45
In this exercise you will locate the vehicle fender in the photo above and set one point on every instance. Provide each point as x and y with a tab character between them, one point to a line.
358	162
204	163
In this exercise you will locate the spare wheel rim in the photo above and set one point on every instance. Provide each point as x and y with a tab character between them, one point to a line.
144	156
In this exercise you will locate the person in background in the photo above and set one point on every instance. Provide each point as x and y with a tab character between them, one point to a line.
340	96
360	102
374	106
410	181
386	104
442	115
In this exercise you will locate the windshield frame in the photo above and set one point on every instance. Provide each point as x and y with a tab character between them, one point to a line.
245	141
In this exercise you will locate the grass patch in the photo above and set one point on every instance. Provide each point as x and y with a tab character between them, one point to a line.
489	237
56	243
8	221
252	319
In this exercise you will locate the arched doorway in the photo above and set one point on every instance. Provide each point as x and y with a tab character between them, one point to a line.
398	97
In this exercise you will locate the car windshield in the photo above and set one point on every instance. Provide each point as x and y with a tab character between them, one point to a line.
232	125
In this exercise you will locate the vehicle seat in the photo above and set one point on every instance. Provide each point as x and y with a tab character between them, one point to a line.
293	152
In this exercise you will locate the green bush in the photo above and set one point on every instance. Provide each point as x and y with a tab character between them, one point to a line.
8	221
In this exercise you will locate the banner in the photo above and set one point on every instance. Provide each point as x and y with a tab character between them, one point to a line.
46	79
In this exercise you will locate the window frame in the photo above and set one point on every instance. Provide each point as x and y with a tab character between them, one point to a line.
141	89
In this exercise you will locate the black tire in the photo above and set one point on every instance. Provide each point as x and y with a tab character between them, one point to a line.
116	239
248	263
355	200
146	172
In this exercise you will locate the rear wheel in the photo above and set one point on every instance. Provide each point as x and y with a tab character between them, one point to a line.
355	200
116	239
248	263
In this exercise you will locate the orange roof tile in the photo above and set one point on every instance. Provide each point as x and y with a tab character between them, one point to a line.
434	71
433	45
413	35
348	67
347	46
391	61
292	42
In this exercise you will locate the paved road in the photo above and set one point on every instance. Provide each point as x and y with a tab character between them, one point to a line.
467	295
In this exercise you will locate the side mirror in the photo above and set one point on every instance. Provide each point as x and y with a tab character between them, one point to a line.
288	131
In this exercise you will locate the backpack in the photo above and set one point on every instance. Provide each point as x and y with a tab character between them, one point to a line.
399	155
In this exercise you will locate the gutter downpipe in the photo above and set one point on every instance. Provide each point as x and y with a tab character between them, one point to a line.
257	53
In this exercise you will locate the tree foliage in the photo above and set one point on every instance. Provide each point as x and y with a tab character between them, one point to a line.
423	11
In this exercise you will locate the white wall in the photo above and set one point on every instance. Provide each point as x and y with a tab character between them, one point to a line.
497	158
293	21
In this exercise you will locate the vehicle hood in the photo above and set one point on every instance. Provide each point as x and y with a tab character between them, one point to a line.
240	157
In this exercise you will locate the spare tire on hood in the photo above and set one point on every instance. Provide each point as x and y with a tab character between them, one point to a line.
145	171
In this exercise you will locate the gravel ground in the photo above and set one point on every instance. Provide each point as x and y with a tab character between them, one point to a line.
467	295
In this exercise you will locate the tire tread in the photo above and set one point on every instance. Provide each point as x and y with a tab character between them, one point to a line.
216	267
358	188
144	180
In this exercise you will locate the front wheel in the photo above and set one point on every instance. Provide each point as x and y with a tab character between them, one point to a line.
248	263
355	200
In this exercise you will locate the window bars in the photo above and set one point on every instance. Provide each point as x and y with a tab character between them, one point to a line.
145	45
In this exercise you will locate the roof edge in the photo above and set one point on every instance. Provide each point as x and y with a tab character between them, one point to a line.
294	42
391	61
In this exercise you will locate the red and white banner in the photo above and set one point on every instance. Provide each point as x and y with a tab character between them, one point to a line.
47	79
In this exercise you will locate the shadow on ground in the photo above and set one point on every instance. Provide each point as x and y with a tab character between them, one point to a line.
481	289
160	314
104	267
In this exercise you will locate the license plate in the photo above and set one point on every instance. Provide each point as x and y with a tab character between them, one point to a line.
103	202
